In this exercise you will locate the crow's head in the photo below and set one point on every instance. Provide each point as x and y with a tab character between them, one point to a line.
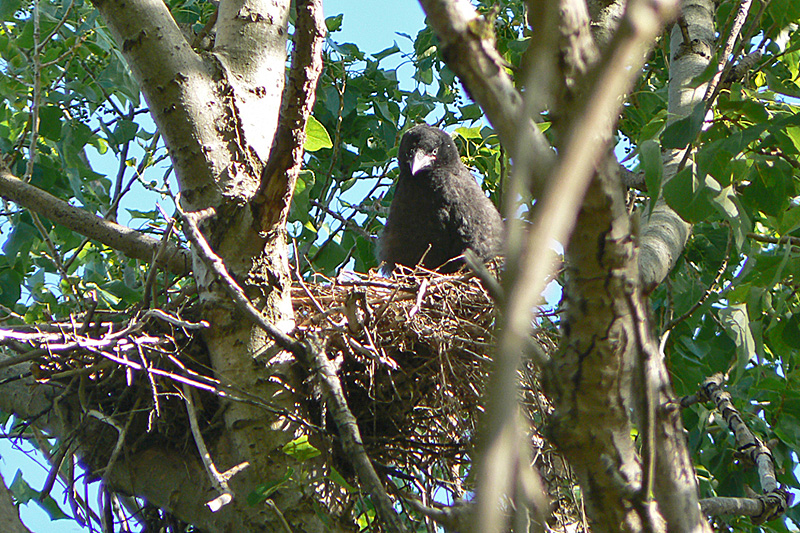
423	148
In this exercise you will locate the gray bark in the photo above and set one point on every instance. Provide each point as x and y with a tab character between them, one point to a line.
664	233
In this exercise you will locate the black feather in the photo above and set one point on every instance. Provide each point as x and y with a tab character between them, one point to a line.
438	210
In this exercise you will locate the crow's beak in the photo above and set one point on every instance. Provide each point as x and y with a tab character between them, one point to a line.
421	160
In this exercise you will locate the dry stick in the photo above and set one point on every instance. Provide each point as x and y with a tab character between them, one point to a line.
313	356
151	276
720	271
121	433
55	461
646	360
767	239
220	481
775	499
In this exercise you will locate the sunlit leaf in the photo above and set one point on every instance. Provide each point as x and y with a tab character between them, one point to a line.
317	137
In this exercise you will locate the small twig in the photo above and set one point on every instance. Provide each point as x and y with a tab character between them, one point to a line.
218	480
767	239
490	282
720	271
646	390
775	500
121	432
684	27
198	39
282	519
151	275
55	461
215	263
423	289
350	434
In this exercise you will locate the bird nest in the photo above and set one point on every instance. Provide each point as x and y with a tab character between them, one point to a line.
413	353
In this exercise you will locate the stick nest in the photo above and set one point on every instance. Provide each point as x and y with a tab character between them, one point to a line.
413	353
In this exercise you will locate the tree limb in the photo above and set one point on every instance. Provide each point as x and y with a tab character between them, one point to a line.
286	156
132	243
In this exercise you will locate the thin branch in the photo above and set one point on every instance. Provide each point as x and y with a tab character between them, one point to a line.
132	243
220	481
151	275
775	500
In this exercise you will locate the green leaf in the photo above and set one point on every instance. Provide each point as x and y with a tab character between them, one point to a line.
337	478
650	152
50	122
387	52
470	133
301	449
689	196
8	8
791	332
728	205
265	490
471	112
334	23
10	287
736	322
317	136
125	131
680	133
24	493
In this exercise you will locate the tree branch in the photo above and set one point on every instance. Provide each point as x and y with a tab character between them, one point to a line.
132	243
583	151
286	157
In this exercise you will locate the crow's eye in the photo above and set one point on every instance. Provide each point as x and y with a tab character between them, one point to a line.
434	151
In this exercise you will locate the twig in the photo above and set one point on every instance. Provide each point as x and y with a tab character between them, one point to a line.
151	275
490	282
768	239
55	461
282	519
775	500
350	434
720	271
219	481
646	359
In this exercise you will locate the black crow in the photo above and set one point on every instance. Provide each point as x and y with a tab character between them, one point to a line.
438	210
